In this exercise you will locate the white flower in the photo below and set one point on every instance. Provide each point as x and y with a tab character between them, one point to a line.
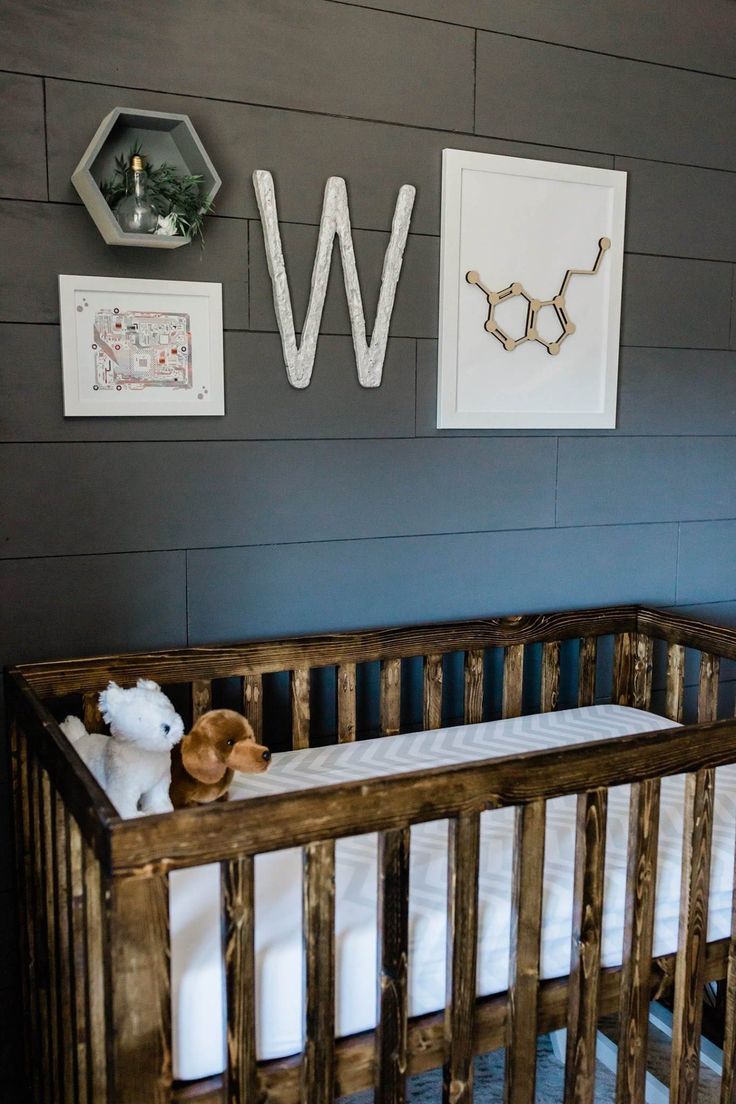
167	225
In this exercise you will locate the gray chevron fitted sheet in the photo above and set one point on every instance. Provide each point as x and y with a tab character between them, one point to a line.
197	969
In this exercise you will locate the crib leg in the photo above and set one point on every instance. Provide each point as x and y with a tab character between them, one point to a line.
606	1052
141	996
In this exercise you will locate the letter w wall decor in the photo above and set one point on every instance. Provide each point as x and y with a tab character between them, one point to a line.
335	220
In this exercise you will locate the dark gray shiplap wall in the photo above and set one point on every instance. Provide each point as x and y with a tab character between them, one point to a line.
339	506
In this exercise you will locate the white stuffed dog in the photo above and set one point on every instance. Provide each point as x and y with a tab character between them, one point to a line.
133	764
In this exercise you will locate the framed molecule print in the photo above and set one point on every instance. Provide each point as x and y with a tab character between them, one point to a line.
530	293
141	347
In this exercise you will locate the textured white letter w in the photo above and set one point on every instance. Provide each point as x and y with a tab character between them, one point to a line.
335	220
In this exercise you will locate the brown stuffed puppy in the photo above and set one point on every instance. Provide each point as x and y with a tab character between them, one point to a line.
202	764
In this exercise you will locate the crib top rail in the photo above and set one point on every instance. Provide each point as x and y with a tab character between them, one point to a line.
53	679
691	633
190	837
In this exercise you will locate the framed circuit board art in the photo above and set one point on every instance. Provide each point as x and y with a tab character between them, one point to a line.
141	347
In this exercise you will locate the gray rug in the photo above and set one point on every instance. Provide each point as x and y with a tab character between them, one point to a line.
426	1088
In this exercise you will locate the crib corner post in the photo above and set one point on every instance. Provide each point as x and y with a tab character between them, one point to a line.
139	965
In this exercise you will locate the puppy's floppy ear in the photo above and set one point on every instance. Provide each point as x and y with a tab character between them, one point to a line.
199	756
109	699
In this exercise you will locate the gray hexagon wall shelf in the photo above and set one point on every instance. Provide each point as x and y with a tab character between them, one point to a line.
163	137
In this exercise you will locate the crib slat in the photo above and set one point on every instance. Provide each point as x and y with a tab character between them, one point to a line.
390	697
300	713
590	849
675	692
550	690
201	698
641	879
253	704
586	670
690	965
728	1076
392	947
318	1059
51	925
623	647
38	923
346	676
641	674
463	851
710	670
18	758
526	920
79	956
513	680
240	974
140	955
432	691
96	977
65	994
473	706
91	715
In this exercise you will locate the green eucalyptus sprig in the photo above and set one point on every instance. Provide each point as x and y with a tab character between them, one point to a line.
180	196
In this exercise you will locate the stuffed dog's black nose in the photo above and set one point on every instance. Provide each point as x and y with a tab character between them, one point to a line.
267	755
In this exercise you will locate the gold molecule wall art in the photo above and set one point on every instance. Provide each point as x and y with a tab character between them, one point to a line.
534	306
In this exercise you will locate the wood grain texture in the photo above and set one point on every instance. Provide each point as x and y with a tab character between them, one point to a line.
201	698
526	920
347	682
186	664
583	1008
98	995
473	686
623	663
238	912
253	704
550	686
189	837
728	1077
641	879
23	881
586	670
392	966
279	1080
300	707
80	960
91	715
318	907
41	964
690	969
432	708
463	851
641	673
710	669
513	680
688	631
139	971
51	922
675	686
65	988
390	697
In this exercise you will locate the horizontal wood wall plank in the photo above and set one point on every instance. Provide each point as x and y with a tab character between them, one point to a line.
22	163
313	65
610	470
541	112
350	475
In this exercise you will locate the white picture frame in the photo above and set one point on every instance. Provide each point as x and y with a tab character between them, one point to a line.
510	222
168	361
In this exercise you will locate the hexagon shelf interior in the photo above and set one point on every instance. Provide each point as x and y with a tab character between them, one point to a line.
163	137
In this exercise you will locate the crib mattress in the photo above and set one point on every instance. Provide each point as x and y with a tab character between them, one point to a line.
196	954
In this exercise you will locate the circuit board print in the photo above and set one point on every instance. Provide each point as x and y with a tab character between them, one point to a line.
135	350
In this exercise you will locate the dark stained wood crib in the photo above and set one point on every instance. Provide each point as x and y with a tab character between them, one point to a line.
93	888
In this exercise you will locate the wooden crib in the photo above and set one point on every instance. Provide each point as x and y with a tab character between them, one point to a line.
93	888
